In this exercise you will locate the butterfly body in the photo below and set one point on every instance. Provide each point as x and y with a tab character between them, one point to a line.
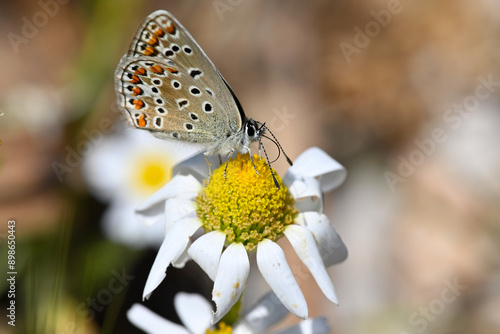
167	85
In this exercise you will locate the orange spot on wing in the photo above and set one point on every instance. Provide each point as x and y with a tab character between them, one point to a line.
149	51
156	69
138	104
141	121
172	70
136	91
171	28
159	32
140	71
135	79
153	40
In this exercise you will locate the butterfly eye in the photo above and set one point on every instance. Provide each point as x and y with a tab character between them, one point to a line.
250	130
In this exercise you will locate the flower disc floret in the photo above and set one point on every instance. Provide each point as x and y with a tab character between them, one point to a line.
222	329
246	206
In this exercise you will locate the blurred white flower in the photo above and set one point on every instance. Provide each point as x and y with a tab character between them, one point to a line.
36	109
124	169
196	314
242	211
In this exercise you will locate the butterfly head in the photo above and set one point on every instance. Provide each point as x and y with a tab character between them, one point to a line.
253	131
256	131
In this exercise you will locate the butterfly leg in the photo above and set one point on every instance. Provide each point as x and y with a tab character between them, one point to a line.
209	169
208	164
251	159
227	163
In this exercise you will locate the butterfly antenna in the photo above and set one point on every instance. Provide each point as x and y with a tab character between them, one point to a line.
263	128
260	149
278	143
275	143
269	164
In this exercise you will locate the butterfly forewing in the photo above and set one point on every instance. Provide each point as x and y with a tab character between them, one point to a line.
167	84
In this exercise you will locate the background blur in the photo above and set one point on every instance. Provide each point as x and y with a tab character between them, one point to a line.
404	94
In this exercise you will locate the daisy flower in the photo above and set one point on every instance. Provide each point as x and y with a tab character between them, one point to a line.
239	212
196	314
125	169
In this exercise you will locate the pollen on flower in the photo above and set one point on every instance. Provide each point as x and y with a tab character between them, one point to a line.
223	329
246	206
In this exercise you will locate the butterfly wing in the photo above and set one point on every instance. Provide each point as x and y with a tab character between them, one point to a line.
167	84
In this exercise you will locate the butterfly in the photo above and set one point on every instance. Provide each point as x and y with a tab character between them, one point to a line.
167	85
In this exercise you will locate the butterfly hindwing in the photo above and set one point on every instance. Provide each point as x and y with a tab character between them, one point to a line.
152	94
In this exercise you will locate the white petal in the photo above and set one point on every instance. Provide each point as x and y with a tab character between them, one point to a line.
309	326
152	216
231	279
104	166
275	270
197	166
307	193
267	312
314	162
180	186
119	224
177	208
194	311
171	249
330	245
150	322
183	258
304	245
206	251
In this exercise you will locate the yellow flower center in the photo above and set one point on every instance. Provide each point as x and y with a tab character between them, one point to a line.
153	175
150	173
246	206
223	329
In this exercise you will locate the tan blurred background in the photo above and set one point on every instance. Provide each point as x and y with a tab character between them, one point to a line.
379	85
